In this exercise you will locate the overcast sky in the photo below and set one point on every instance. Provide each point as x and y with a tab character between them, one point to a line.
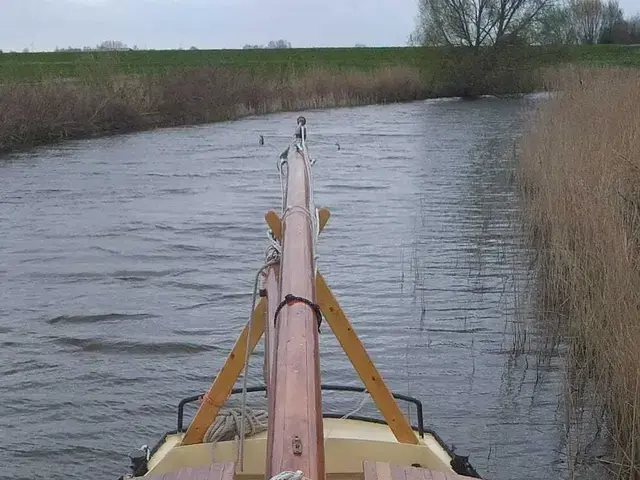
45	24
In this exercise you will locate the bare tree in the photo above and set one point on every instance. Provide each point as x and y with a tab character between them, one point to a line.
272	44
634	28
587	17
474	23
612	19
112	45
554	27
278	44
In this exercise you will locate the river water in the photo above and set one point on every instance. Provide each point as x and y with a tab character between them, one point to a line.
128	262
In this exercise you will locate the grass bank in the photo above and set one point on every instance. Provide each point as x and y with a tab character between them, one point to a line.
580	179
47	112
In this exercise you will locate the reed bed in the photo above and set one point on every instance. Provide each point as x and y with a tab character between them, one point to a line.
580	177
46	112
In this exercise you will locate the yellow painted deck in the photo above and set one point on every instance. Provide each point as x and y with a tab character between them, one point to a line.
348	444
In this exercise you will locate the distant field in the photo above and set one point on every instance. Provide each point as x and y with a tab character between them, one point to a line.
37	66
33	67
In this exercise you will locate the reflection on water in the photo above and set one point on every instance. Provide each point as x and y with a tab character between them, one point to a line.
128	263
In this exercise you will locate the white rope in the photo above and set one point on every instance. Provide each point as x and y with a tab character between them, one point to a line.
297	475
291	208
363	401
231	421
275	259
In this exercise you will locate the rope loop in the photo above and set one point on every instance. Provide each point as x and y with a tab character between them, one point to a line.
290	299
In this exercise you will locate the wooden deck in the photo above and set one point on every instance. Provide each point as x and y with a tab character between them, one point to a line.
217	471
372	471
386	471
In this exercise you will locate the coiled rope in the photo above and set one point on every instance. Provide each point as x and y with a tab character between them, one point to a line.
297	475
231	421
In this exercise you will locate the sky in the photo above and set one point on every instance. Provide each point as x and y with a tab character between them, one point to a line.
47	24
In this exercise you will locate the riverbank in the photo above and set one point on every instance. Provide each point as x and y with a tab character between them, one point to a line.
49	97
47	112
580	179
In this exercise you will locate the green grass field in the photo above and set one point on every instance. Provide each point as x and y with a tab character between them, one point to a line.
34	67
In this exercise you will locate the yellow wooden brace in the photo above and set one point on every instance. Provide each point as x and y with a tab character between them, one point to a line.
361	362
223	384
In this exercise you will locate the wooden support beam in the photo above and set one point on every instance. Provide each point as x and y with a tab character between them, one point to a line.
223	384
363	365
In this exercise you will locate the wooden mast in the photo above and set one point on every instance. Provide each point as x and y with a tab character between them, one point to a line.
295	439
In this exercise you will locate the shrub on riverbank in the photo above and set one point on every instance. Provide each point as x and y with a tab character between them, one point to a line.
580	178
32	114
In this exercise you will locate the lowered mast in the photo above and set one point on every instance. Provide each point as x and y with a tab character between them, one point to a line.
295	433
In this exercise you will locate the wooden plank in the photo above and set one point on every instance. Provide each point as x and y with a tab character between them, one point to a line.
222	471
226	378
399	472
362	363
216	471
385	471
370	470
295	434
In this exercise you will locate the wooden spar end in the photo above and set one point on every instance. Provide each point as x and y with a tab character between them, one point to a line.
226	378
273	220
362	363
323	215
275	224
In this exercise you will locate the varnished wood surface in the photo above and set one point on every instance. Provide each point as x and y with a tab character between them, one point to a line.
386	471
216	471
296	411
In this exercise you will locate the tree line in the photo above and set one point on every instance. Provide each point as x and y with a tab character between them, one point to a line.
477	23
272	44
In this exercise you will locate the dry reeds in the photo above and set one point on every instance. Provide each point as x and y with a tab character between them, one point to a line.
47	112
580	178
